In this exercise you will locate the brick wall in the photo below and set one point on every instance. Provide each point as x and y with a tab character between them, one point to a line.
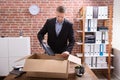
14	16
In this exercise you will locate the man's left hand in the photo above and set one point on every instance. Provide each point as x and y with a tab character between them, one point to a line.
65	54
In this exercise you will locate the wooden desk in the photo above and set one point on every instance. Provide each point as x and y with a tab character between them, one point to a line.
87	75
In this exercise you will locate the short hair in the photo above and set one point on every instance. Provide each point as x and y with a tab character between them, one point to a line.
60	9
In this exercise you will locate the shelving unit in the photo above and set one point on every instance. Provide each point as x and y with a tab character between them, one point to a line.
106	21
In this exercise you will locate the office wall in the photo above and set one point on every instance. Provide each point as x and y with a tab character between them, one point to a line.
116	25
14	16
116	38
116	63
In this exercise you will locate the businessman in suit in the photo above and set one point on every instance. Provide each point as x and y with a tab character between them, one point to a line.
60	33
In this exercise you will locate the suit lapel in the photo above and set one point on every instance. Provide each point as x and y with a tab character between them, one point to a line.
54	24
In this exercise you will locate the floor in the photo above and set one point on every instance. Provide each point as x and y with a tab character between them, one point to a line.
1	78
102	76
98	74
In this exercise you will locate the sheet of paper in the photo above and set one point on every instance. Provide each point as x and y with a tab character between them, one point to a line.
74	59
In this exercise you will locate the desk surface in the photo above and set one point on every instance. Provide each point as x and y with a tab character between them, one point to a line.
87	75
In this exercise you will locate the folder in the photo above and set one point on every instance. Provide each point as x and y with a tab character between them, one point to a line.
103	37
89	12
88	61
102	65
105	11
105	52
87	49
98	37
47	48
92	25
97	47
86	25
94	61
101	50
95	12
102	12
99	13
95	25
92	49
91	61
101	59
89	25
106	38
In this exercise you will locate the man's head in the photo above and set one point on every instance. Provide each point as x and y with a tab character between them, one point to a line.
60	13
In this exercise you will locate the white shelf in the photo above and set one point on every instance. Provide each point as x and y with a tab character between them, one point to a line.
79	31
101	67
105	55
79	43
103	31
97	43
97	31
78	19
79	54
104	19
90	31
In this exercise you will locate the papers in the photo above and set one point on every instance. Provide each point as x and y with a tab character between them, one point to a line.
74	59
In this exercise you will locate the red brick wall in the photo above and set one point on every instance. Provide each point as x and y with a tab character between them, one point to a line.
14	16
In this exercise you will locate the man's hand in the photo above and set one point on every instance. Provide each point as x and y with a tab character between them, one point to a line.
65	54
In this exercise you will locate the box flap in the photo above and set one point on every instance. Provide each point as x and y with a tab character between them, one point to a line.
74	59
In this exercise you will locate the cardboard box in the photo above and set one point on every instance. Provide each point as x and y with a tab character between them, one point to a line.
43	65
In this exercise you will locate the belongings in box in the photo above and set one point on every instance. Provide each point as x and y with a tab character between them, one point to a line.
17	71
47	48
79	71
89	38
102	28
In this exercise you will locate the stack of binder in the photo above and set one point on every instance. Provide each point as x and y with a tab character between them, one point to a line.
101	37
95	53
91	25
95	49
89	38
95	62
100	12
103	12
93	14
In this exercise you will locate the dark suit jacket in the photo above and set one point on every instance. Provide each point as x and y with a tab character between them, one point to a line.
64	41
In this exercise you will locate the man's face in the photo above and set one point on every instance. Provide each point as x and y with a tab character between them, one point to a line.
60	16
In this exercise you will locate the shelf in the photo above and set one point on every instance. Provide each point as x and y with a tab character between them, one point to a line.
101	67
79	31
79	54
97	43
104	19
82	32
78	19
97	31
90	31
79	43
105	55
103	31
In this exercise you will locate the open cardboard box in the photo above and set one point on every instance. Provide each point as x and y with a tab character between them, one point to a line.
43	65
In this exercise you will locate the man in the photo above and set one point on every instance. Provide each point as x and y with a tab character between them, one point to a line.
60	33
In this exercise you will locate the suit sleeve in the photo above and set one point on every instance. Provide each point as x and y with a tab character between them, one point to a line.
70	39
42	32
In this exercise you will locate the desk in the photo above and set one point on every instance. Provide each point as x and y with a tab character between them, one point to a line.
88	75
